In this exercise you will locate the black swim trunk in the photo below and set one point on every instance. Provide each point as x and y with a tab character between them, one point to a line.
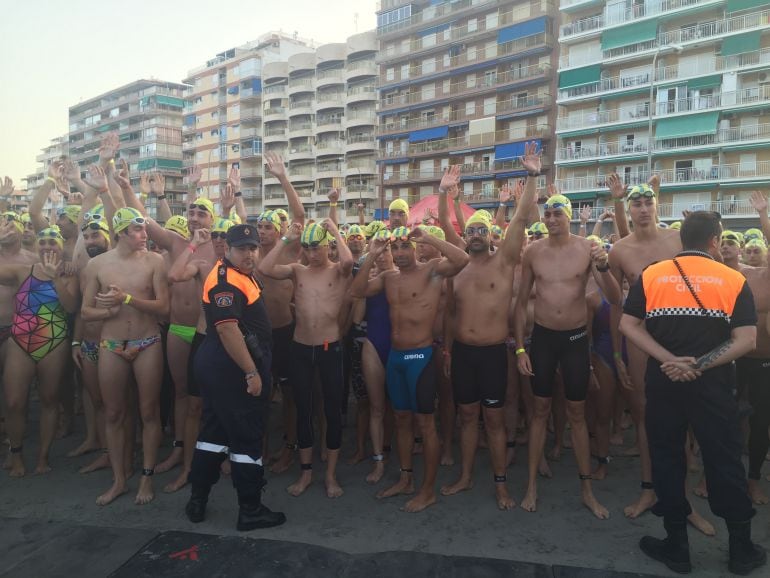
282	337
567	350
479	373
193	383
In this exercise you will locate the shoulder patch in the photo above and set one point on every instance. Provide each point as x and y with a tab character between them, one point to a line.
223	299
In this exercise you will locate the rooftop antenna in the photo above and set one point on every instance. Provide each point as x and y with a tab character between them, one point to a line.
355	20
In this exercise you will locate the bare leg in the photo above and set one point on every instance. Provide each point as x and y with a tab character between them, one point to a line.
426	496
192	427
333	489
306	475
494	422
469	438
362	425
18	373
65	395
90	376
511	410
576	416
374	377
178	355
446	409
542	408
405	437
91	441
49	372
148	370
114	383
605	401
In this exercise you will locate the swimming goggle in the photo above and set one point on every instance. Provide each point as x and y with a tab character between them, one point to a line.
137	221
310	245
92	225
218	235
639	192
556	205
93	217
730	237
394	238
480	231
194	206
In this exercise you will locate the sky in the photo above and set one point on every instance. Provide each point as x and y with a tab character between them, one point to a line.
56	54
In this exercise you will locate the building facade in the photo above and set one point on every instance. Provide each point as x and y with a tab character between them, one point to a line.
319	113
224	114
679	88
56	149
147	115
465	82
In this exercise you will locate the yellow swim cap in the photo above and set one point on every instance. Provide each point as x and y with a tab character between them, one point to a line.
282	214
559	202
25	218
676	225
314	235
13	217
399	205
233	216
72	212
373	228
382	234
178	224
733	236
205	204
125	217
355	230
481	218
434	231
643	190
222	225
595	238
52	233
272	217
497	230
751	234
757	243
98	224
538	228
486	214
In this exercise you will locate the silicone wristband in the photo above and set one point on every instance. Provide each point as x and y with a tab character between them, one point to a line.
520	350
127	300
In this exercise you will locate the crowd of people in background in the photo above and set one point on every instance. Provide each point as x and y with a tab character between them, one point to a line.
507	326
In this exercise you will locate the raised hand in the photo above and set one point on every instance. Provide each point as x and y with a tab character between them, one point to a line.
144	184
598	254
377	246
7	230
97	178
418	235
227	199
7	187
757	200
157	184
56	170
75	199
531	159
654	182
234	179
585	213
450	179
334	195
294	232
518	189
553	190
360	206
329	225
505	193
109	146
71	171
194	175
608	215
51	264
201	237
616	186
274	164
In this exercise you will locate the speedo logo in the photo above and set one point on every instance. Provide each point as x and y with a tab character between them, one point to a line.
414	356
578	336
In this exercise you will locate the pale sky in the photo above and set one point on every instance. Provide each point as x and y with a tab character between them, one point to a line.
56	54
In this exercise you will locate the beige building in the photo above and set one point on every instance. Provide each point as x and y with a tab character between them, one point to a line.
319	113
224	111
679	88
57	148
464	82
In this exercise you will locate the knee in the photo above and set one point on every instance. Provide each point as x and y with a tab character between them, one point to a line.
542	408
15	403
494	421
150	414
469	414
114	415
194	407
48	399
403	419
576	412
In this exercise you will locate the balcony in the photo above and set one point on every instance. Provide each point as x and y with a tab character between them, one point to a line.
360	143
431	13
300	108
302	174
249	94
275	113
327	124
489	139
360	68
250	173
274	136
250	153
250	114
704	31
275	90
361	93
329	147
300	129
326	101
703	66
250	132
356	167
356	191
329	77
297	85
360	118
616	148
605	86
300	152
328	170
614	17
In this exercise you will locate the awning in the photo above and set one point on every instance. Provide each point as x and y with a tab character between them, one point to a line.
509	151
740	43
582	196
169	100
433	30
169	164
106	127
580	76
511	174
256	85
189	120
233	90
738	5
705	82
529	28
631	34
429	134
687	125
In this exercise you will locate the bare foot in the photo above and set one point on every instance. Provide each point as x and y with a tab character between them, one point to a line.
333	489
42	468
631	452
460	485
226	467
504	500
65	428
86	447
177	484
555	454
701	490
356	458
544	469
701	524
567	442
103	461
447	459
7	462
284	461
626	421
421	501
756	494
112	494
510	456
600	472
405	485
16	466
590	502
616	439
144	495
173	460
298	487
529	503
324	455
693	466
645	502
376	474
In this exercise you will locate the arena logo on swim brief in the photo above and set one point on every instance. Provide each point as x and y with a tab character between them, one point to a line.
223	299
578	336
414	356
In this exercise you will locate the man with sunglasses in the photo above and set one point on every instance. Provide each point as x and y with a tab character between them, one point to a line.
413	292
561	264
127	289
320	289
647	244
479	360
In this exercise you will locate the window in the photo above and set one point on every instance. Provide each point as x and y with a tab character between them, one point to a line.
428	91
468	189
470	80
447	86
404	71
473	25
390	73
470	108
491	20
488	188
428	65
490	105
471	53
490	78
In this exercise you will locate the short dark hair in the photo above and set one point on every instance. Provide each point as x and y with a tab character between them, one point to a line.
699	228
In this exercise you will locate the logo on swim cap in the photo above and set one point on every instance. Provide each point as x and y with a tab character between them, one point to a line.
314	235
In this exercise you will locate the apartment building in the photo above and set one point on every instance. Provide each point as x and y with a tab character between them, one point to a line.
680	88
57	148
224	112
464	82
147	115
319	113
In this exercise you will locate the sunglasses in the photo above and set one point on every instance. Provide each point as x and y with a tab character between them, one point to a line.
395	238
218	235
92	217
311	245
649	194
356	236
194	206
481	231
91	225
750	237
556	205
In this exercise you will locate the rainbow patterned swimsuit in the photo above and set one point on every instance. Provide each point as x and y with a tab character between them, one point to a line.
39	320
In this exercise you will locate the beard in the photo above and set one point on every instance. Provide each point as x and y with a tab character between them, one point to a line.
95	250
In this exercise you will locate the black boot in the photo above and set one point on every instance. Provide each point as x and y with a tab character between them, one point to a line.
673	551
255	516
745	555
196	506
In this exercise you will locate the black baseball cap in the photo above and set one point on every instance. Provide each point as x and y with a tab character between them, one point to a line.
241	235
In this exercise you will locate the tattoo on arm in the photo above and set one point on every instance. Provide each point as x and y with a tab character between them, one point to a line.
706	361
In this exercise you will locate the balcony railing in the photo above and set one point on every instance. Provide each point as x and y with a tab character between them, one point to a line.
668	211
704	66
431	13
